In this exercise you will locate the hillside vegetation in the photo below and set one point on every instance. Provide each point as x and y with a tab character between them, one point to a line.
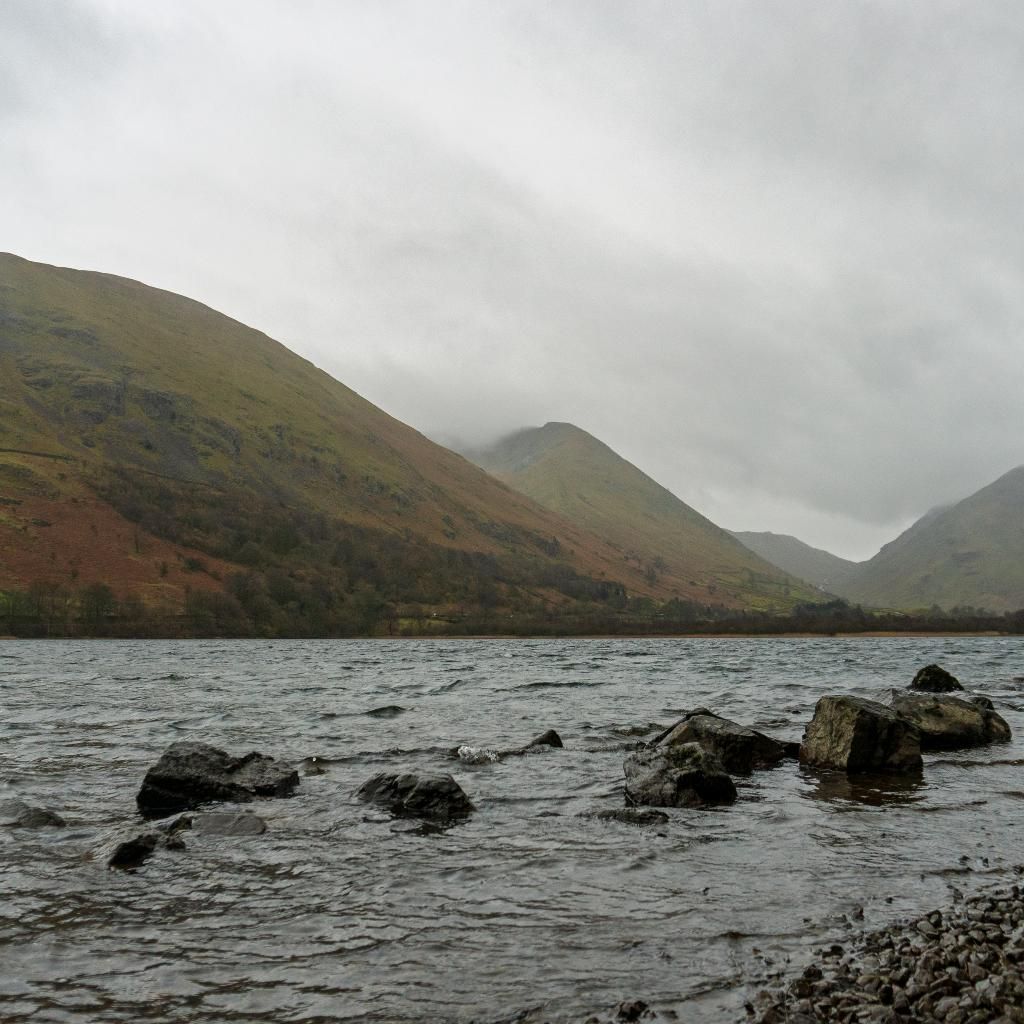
825	570
154	447
674	547
970	554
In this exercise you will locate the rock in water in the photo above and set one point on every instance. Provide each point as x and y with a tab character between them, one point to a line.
129	854
856	735
18	814
683	775
438	797
740	749
550	738
935	679
226	823
947	722
640	816
189	774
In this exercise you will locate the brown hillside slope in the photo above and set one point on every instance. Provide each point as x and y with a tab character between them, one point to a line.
200	434
575	474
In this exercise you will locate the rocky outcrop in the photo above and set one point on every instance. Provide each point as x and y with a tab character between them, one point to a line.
438	797
678	775
190	774
856	735
935	679
740	749
946	722
18	814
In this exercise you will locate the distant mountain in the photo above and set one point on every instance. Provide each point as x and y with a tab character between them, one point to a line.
825	570
162	449
967	554
656	534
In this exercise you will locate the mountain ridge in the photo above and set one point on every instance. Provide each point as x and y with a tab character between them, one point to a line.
574	473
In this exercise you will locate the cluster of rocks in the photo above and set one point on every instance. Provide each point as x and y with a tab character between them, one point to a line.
860	736
961	965
691	763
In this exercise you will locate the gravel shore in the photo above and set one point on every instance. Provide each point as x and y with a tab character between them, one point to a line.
962	965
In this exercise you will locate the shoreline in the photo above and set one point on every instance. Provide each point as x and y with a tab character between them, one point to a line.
880	634
962	963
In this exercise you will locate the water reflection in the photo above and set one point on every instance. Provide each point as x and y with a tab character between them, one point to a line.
838	788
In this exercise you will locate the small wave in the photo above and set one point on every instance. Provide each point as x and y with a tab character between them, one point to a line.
571	684
477	755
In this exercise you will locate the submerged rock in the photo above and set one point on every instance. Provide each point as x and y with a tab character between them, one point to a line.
434	796
18	814
190	774
739	748
388	711
640	816
935	679
680	775
227	823
856	735
948	723
483	755
129	854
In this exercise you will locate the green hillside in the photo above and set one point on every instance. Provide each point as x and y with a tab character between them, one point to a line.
574	474
153	446
966	555
825	570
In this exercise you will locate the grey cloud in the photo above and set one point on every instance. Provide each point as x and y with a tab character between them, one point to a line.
771	252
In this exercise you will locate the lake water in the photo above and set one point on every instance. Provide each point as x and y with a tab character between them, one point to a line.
527	910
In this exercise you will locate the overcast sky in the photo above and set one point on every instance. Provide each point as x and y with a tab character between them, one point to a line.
772	252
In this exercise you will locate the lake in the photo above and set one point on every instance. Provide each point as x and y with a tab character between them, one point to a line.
526	911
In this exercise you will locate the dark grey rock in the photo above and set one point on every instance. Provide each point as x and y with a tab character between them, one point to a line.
438	797
935	679
855	735
18	814
678	775
739	748
129	854
546	739
949	723
190	774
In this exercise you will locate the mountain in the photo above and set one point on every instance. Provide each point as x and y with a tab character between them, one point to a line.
967	554
825	570
573	473
155	447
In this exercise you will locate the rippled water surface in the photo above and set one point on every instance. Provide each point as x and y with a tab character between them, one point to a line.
341	913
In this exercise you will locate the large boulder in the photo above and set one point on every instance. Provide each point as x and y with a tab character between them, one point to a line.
856	735
435	796
678	775
18	814
935	679
947	722
740	749
190	774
